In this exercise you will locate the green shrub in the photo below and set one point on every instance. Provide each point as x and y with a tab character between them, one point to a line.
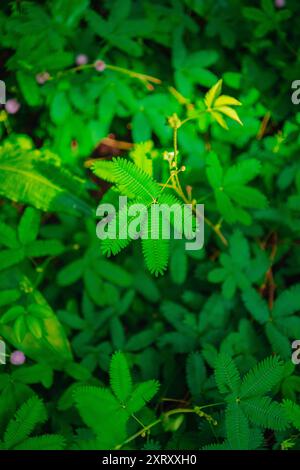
147	345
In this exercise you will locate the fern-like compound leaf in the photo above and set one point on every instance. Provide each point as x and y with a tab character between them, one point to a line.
112	245
27	417
45	442
120	377
134	182
104	170
288	302
292	411
237	427
264	412
142	393
226	374
100	410
156	253
262	378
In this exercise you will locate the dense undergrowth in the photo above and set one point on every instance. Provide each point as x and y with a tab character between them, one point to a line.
153	347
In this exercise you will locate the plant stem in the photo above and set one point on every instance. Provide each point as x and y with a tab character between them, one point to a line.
154	423
175	143
193	117
176	185
165	185
212	404
139	433
178	189
196	410
140	76
174	174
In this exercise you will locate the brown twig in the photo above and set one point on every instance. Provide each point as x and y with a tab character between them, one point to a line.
263	126
269	282
116	144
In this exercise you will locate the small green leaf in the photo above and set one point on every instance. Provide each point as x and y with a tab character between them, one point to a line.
12	314
34	326
29	225
20	328
120	378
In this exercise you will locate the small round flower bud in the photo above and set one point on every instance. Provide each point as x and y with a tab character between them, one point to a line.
174	121
42	78
12	106
100	65
81	59
189	190
17	358
182	168
279	3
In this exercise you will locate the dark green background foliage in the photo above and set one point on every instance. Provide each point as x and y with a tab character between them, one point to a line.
186	349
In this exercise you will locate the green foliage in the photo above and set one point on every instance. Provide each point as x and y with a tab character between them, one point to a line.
120	379
267	18
195	374
293	412
31	177
169	102
226	374
247	404
231	190
280	321
132	181
262	378
19	428
107	412
237	269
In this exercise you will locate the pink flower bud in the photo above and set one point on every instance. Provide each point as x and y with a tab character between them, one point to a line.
81	59
100	65
279	3
17	358
43	77
12	106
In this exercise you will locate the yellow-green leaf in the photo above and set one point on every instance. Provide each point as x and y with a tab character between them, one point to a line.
225	100
213	93
219	118
230	113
